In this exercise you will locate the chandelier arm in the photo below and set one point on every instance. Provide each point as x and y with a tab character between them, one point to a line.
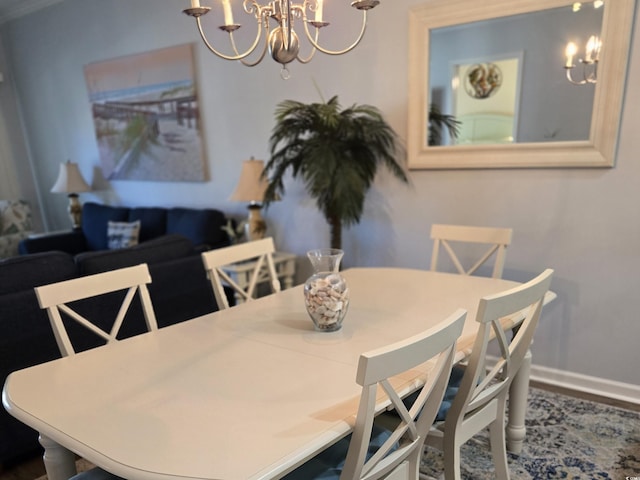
338	52
307	59
242	60
593	76
314	49
570	77
238	56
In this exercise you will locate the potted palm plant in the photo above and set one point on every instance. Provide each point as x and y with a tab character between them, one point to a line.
336	152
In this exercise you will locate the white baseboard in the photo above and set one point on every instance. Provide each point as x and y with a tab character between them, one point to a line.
625	392
588	384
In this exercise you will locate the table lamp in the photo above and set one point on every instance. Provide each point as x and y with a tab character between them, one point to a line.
251	188
70	181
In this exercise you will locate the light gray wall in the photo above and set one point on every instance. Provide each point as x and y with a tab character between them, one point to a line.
582	222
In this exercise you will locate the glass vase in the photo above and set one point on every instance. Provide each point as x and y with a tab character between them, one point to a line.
326	294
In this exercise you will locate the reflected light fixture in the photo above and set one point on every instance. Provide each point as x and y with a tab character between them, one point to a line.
71	182
251	187
282	42
589	63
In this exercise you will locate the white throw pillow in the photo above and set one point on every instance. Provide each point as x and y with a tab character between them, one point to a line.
123	234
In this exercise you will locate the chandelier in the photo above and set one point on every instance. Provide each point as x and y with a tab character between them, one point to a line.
589	63
282	42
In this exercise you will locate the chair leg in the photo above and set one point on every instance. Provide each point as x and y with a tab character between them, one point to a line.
497	439
518	393
451	456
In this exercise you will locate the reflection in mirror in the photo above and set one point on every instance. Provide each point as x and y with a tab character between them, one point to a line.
519	60
501	68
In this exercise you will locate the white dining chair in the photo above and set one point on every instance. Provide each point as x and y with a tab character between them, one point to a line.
373	452
56	297
261	251
481	397
451	237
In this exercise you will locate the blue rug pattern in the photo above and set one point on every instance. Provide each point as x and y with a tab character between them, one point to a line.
567	438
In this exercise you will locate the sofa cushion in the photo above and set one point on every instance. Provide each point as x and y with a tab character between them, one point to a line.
200	226
28	271
122	234
153	221
95	218
71	242
168	247
26	337
180	290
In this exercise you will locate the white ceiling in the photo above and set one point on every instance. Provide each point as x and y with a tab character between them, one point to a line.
10	9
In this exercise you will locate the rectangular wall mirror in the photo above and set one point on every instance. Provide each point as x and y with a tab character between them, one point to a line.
500	69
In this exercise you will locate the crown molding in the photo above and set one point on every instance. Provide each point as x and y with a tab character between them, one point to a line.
19	8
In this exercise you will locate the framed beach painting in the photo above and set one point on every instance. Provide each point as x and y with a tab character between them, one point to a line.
146	116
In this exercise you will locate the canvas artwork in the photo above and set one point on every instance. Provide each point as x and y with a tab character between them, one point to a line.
146	116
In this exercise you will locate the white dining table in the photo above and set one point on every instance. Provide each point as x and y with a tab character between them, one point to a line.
249	392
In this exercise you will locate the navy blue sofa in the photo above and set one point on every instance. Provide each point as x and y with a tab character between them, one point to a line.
202	226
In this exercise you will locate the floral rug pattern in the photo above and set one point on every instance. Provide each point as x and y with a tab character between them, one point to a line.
567	438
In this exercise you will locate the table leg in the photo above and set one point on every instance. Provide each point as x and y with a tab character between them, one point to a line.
59	462
518	394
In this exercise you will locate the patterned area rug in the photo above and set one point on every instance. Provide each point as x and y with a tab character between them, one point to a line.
566	438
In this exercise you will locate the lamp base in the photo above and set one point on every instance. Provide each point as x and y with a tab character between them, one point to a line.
256	227
75	210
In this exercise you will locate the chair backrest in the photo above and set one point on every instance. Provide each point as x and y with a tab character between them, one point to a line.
497	238
376	369
520	306
261	251
55	297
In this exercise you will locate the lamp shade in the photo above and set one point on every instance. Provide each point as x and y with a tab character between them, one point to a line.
70	180
252	185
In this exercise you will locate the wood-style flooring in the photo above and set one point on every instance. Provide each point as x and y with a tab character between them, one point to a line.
34	468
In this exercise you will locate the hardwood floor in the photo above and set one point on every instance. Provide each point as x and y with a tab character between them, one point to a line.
586	396
34	468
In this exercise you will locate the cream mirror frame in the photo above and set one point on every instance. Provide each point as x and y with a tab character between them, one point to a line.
598	151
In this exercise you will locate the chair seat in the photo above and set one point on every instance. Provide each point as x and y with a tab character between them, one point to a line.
450	393
328	465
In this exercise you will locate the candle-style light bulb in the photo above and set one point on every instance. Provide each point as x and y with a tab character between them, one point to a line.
228	13
195	3
319	6
570	51
596	49
591	46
